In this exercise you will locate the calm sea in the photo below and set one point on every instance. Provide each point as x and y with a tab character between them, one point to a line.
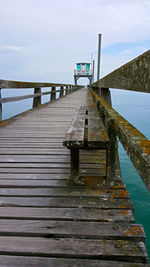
133	106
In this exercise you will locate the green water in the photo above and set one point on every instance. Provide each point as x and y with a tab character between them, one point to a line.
135	107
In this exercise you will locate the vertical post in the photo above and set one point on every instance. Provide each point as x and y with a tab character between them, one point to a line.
75	80
90	79
53	93
0	106
99	55
91	59
61	91
74	178
93	70
106	95
69	89
66	90
74	159
112	151
37	100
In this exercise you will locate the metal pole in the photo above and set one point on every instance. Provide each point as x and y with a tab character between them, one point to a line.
91	59
99	55
93	69
0	106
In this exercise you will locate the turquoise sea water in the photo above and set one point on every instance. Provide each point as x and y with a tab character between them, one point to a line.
133	106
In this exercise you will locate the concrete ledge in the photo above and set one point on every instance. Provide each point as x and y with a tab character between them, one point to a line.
134	142
134	76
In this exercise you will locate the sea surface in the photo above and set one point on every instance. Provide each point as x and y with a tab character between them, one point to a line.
133	106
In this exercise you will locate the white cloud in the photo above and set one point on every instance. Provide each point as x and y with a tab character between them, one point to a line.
54	34
14	48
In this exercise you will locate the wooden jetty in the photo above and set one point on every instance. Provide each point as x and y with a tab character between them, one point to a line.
44	220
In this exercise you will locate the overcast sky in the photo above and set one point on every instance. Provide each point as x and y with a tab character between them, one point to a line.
41	40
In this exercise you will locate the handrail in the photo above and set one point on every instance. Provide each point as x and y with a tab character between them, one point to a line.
132	76
17	98
63	90
5	84
134	142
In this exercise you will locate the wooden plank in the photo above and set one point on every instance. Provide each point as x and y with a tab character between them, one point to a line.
49	165
97	135
44	159
83	172
53	127
67	214
67	202
67	192
88	156
75	135
75	248
51	180
51	117
32	176
51	131
35	149
17	84
65	229
18	98
34	159
32	125
33	152
35	124
33	181
17	261
14	165
37	165
36	134
32	138
41	149
65	170
30	146
29	170
30	142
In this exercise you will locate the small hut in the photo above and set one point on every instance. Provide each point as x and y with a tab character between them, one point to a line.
83	70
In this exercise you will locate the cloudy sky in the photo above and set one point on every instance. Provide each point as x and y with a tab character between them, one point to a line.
41	40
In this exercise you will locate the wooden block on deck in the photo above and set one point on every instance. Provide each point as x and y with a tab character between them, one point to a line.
97	135
75	135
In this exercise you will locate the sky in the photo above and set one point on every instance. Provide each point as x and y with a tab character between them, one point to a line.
41	40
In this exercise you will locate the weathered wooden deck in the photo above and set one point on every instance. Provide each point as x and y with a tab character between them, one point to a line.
44	221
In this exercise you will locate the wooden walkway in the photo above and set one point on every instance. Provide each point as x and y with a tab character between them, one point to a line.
44	221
